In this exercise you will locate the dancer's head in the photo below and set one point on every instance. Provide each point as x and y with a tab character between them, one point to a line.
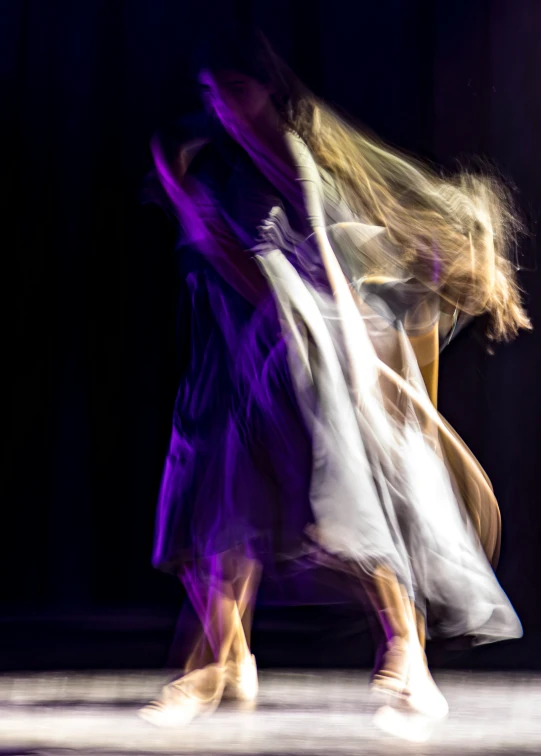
242	80
234	98
455	233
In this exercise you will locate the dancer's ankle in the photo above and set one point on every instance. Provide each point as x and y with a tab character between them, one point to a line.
203	682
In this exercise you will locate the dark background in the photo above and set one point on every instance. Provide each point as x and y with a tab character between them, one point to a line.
91	355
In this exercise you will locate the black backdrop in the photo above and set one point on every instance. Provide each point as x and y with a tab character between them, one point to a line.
90	353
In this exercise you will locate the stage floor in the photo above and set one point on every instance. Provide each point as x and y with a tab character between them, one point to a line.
323	713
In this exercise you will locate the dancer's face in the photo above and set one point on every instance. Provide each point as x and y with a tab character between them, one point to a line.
235	99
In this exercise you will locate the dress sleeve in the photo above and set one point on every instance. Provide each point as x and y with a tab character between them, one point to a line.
203	223
309	180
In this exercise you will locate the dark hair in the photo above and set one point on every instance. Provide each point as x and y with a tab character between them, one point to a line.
244	48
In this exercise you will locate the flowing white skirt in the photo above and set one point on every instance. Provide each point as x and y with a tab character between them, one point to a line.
381	489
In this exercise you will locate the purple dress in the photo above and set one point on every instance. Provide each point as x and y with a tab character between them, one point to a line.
238	469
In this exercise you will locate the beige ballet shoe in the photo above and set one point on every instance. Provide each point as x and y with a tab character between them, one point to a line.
404	725
404	681
186	698
241	680
391	680
415	715
422	694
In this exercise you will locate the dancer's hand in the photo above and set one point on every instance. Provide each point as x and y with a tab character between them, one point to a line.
177	166
190	199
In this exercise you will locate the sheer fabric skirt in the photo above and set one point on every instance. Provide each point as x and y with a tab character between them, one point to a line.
391	483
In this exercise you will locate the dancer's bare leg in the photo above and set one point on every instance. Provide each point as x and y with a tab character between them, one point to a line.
241	672
210	588
420	624
394	616
201	654
222	592
404	672
224	602
244	590
245	586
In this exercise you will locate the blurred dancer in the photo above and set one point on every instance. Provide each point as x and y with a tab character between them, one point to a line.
332	270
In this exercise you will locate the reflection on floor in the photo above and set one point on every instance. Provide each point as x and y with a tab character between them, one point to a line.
321	713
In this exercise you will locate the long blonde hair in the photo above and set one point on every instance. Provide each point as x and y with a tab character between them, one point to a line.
458	234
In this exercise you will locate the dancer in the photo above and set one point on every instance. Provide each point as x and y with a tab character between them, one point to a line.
334	268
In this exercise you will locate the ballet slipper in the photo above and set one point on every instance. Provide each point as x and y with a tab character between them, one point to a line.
391	679
241	680
414	714
404	681
409	726
422	695
184	699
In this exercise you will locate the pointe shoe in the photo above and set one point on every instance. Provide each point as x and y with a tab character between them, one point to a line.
404	681
183	700
423	695
403	724
241	680
417	712
391	680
